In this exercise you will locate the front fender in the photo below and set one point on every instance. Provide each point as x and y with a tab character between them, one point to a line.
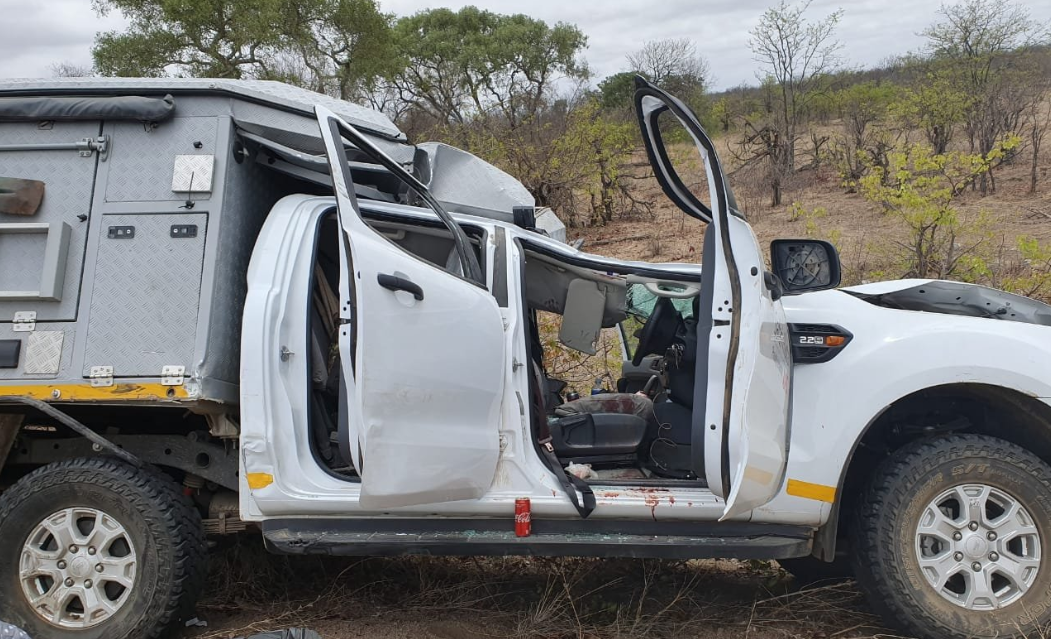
894	354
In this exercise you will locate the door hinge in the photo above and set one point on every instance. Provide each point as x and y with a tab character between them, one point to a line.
172	375
101	376
515	364
24	321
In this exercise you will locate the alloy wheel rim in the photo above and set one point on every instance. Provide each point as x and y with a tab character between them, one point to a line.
77	568
978	547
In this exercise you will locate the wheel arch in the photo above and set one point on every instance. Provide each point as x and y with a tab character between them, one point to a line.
966	407
185	449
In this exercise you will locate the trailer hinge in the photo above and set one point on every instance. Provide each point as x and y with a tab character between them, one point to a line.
24	321
87	146
172	375
101	376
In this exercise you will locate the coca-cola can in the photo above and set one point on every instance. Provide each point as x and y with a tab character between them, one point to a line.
523	521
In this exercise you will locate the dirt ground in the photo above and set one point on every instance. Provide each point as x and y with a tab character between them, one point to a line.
250	591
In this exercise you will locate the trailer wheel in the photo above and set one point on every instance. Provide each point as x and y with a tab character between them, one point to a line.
952	538
96	548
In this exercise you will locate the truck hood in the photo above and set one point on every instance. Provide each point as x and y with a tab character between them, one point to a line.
953	298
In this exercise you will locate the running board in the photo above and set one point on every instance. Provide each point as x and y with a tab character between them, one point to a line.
384	537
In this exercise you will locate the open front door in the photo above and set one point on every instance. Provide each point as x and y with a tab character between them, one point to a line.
741	400
422	353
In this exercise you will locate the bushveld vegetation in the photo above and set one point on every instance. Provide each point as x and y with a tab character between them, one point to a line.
914	139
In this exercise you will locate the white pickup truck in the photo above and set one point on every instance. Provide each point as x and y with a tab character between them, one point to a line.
391	398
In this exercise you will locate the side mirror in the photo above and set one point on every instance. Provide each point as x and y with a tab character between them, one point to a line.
805	265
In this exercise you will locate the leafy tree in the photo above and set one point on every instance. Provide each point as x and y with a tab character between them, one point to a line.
470	63
346	45
919	188
338	47
215	38
796	54
980	40
1036	120
616	91
861	107
936	106
1033	278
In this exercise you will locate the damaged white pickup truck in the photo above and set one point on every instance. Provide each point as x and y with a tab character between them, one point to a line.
229	305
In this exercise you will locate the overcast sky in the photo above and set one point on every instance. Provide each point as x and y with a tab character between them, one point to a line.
35	34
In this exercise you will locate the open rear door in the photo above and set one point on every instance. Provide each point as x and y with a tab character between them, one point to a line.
422	351
741	400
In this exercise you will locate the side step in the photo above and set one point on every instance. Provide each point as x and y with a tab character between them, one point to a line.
577	538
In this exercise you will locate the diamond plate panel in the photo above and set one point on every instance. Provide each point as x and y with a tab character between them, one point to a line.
144	302
44	352
64	372
143	161
193	173
69	180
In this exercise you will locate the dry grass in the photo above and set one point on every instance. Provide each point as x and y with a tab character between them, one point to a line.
458	598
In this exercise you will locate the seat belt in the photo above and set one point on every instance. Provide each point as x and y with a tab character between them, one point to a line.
585	501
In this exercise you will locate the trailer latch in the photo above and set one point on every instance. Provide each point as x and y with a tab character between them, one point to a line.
87	146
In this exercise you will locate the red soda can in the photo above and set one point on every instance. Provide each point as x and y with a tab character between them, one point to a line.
523	521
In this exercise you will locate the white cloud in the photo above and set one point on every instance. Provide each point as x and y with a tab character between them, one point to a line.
38	33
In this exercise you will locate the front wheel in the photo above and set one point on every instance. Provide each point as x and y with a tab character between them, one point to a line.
97	549
952	539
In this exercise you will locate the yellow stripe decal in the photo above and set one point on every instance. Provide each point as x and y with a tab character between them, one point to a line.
259	480
89	393
806	490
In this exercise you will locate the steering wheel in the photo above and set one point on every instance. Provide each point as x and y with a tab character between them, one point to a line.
657	334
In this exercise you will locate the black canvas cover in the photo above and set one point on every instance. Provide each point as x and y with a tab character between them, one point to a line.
36	108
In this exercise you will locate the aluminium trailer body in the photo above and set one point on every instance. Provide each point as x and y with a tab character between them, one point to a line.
124	283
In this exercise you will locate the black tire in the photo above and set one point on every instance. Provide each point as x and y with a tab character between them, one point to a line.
886	560
160	522
808	571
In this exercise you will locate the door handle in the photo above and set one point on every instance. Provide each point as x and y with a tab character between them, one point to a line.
395	283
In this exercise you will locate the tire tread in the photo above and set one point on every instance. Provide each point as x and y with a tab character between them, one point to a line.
161	504
887	490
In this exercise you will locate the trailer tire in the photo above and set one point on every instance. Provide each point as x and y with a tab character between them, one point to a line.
934	550
135	559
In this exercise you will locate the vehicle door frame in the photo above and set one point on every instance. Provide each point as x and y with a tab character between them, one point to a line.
389	488
726	284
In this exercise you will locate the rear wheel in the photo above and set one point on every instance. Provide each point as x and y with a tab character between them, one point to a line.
98	548
952	539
